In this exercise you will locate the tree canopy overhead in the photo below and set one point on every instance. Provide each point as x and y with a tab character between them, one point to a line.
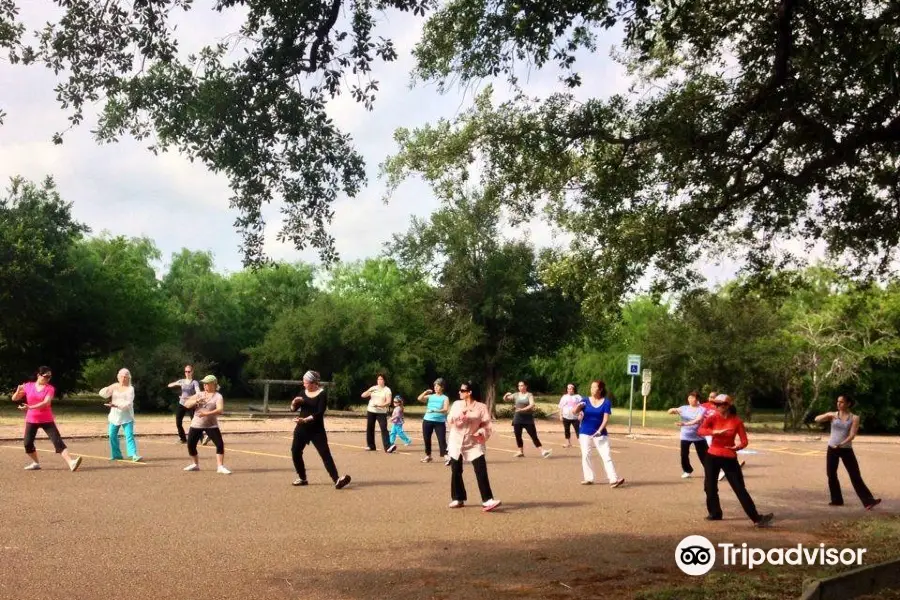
253	108
748	124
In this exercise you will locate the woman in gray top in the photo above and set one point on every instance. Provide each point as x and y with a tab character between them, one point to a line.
523	418
844	426
189	387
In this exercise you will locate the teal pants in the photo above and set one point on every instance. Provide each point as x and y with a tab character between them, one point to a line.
114	448
397	431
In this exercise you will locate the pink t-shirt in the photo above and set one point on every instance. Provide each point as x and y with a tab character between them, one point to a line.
33	396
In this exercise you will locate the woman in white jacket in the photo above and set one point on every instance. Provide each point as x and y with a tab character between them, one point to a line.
121	414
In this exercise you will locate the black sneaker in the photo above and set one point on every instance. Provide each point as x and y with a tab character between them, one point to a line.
874	503
713	518
391	449
835	504
765	520
342	482
299	481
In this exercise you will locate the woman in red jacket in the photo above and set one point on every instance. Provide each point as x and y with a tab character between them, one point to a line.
724	426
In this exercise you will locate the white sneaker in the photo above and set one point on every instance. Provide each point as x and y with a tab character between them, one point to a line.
75	463
685	475
721	475
456	504
490	505
223	471
546	453
192	467
33	467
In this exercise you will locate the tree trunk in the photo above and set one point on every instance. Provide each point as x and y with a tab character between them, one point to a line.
490	388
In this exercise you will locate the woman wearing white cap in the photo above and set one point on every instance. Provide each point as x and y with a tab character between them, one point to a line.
121	414
207	405
310	429
724	427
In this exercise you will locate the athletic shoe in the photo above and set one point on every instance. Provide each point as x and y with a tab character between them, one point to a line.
743	462
33	467
370	449
456	504
685	475
447	462
181	442
427	459
875	503
192	467
207	440
342	482
546	453
712	518
835	504
490	505
74	464
391	449
299	481
567	446
223	471
520	455
765	520
587	482
721	475
137	458
618	483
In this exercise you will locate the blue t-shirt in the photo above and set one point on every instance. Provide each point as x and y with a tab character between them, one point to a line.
593	417
688	413
435	402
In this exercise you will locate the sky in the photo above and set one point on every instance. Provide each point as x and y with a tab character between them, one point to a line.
124	189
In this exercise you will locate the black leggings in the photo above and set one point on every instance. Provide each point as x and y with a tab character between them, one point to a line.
440	429
458	488
318	438
701	447
212	433
180	412
52	432
569	423
532	432
370	429
847	455
735	478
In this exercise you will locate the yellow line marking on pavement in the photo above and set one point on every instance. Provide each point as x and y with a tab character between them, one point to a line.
227	450
106	458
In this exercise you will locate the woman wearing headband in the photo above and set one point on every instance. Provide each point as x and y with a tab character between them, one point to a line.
310	429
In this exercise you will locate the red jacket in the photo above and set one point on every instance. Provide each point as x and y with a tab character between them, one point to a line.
723	442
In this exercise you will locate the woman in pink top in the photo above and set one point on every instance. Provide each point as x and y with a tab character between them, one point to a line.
469	427
38	396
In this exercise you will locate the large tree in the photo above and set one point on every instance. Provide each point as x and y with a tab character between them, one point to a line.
258	116
748	124
493	308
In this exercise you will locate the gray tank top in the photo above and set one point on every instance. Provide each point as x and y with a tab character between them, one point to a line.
523	418
839	431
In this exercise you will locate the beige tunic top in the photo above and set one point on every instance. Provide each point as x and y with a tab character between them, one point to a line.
462	423
206	401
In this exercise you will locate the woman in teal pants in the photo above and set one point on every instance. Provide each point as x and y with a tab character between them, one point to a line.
121	414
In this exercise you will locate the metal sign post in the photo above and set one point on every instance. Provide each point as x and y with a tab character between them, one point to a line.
634	369
645	391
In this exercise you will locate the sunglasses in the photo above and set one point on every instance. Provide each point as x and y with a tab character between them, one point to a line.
46	376
464	391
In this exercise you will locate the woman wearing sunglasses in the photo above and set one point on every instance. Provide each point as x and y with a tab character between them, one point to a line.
189	387
38	396
469	429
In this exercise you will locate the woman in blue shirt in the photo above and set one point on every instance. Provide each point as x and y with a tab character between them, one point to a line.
437	405
690	414
596	411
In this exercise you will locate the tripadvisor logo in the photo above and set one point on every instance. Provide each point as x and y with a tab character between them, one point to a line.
696	555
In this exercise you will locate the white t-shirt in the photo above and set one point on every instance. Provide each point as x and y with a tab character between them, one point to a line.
567	405
380	396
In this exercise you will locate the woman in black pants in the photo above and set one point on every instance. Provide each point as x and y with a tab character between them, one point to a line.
844	427
380	398
310	429
523	418
435	421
